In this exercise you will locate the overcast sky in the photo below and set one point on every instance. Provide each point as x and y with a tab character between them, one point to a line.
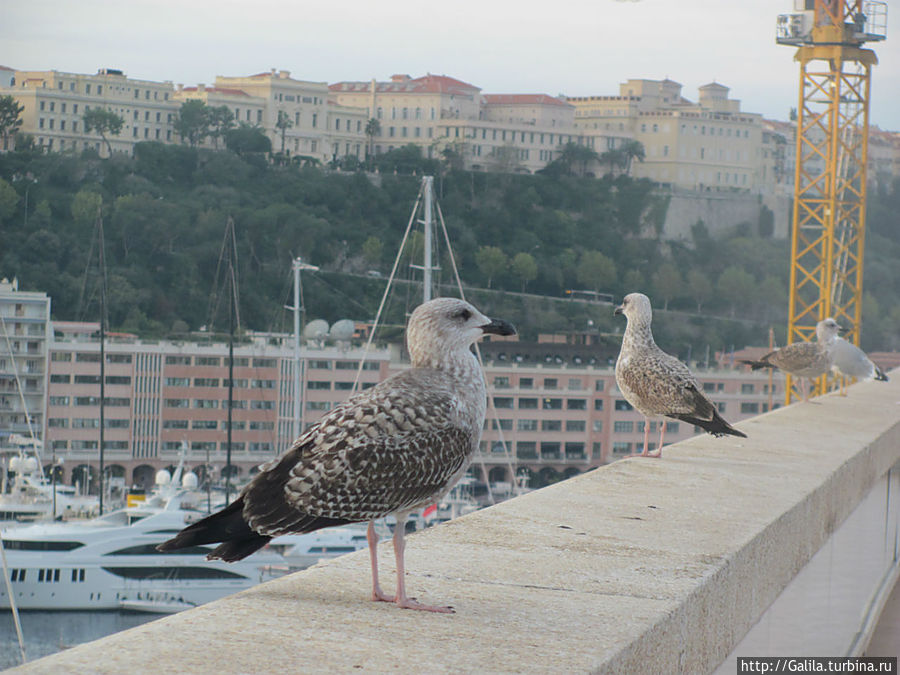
573	47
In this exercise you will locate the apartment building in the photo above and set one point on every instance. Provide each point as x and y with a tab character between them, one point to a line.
702	146
508	132
317	128
24	331
55	102
164	398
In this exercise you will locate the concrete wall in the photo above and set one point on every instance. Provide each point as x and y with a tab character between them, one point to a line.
640	566
721	212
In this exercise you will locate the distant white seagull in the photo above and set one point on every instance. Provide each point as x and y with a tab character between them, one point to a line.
851	361
657	384
806	360
391	449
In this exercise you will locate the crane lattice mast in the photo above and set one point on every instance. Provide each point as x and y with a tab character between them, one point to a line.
828	224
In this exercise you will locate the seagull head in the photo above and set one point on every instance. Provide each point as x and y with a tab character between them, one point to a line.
444	326
635	307
827	330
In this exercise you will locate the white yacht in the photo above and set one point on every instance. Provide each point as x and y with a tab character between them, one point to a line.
303	550
33	497
111	562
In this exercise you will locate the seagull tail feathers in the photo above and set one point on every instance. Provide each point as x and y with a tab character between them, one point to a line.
756	365
879	375
717	426
226	526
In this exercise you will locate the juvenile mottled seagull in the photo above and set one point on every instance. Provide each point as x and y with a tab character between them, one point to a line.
388	450
848	361
806	360
659	385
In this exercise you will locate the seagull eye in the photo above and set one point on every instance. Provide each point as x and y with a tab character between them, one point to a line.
463	314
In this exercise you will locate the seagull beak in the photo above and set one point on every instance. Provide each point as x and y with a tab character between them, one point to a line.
499	327
842	329
619	310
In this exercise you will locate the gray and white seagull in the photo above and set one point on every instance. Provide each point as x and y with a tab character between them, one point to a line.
657	384
805	360
391	449
849	361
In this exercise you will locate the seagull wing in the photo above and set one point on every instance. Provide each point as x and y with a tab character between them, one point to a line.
385	450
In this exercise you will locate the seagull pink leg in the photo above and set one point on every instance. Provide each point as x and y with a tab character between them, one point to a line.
399	547
372	538
662	433
646	437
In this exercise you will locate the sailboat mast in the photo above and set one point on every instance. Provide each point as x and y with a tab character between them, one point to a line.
230	380
102	263
427	225
298	377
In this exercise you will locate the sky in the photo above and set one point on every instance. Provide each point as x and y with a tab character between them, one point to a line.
571	47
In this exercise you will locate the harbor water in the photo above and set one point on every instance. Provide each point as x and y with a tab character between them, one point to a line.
49	632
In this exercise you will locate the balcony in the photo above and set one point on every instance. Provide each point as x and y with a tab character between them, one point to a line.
788	543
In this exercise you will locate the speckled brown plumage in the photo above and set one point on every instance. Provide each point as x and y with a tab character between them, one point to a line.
657	384
388	450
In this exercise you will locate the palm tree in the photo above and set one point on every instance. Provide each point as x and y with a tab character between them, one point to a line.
373	129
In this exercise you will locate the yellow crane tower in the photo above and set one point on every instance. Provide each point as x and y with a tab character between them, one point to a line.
828	225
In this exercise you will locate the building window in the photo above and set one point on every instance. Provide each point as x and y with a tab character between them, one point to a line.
526	450
621	448
550	383
575	425
623	427
576	404
526	383
528	404
551	425
550	450
552	404
623	405
501	382
599	385
747	388
526	425
503	402
750	408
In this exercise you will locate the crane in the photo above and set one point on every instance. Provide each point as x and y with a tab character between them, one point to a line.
829	206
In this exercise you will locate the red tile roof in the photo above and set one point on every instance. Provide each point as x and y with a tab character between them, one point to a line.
524	99
429	84
219	90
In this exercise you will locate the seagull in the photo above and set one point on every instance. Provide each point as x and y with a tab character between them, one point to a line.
658	384
851	361
806	360
389	450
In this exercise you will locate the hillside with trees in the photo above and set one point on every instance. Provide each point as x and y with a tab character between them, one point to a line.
520	236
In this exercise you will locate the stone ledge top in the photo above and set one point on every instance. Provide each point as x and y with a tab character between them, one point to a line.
643	565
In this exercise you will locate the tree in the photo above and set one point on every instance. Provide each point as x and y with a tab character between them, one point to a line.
85	206
246	138
373	129
525	268
283	123
573	160
8	200
699	288
596	271
9	119
104	122
667	283
372	250
632	150
633	282
491	261
221	119
192	122
735	285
